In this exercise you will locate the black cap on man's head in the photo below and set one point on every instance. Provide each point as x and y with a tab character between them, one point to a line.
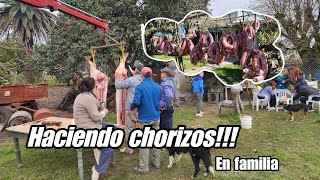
139	66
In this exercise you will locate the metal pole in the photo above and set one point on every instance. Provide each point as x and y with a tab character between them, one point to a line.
80	10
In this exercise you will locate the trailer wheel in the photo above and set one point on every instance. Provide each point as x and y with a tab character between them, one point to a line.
5	113
19	117
32	105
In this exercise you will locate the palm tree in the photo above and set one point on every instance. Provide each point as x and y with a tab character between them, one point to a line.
28	23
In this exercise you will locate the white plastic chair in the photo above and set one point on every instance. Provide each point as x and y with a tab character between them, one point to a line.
257	101
310	100
283	95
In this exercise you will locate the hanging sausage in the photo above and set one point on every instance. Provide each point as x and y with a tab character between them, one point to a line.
185	46
214	54
200	50
254	64
206	39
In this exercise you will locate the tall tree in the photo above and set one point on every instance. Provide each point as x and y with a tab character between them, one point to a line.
300	24
28	23
11	54
63	55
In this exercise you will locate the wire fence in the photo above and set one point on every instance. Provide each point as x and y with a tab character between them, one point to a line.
311	70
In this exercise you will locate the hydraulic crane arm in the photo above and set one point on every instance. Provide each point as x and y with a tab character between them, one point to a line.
54	5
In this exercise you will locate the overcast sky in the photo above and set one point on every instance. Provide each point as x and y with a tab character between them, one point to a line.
221	7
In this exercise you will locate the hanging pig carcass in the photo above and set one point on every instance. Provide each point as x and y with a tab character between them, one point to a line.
121	74
101	79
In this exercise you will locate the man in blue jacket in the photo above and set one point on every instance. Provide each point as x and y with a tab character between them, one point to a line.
197	89
167	96
147	99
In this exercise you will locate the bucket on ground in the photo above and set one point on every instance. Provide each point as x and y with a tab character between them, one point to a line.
246	121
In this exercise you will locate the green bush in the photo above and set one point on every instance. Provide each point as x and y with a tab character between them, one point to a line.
230	74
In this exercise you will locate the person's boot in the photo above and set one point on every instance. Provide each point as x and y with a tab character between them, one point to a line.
97	153
95	173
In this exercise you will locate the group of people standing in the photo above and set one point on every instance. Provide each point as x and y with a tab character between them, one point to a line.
300	89
154	104
147	103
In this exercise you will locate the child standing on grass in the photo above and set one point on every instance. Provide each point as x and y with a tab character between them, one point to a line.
197	89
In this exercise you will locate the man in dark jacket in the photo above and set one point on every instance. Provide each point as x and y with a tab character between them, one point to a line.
197	89
147	99
303	91
167	96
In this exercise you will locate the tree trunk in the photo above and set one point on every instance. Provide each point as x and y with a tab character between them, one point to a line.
66	103
28	71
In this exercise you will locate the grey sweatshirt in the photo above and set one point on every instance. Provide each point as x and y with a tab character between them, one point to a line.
129	84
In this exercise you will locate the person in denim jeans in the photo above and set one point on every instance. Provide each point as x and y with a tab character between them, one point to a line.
167	96
303	92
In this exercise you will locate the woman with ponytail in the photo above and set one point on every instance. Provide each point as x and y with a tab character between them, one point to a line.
87	116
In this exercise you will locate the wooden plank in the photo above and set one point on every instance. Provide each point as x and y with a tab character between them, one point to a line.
25	128
105	46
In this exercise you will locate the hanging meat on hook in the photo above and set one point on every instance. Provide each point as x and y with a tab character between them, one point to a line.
192	33
121	73
200	50
254	64
214	54
101	80
251	32
157	43
242	43
185	47
196	54
228	42
206	39
167	46
260	65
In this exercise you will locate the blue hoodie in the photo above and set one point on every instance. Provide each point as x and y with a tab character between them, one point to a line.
167	93
147	99
197	85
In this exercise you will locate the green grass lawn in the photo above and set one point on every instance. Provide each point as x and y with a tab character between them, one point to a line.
54	82
295	144
230	74
163	57
189	65
186	61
